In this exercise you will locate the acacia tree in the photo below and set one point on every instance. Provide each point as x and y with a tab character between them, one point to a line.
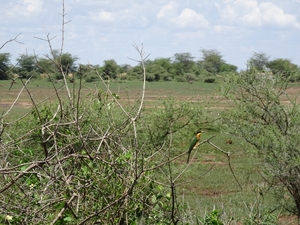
282	66
258	61
261	117
183	61
211	60
110	69
27	66
64	61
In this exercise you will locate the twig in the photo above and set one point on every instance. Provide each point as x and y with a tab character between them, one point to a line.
13	39
229	161
12	105
63	209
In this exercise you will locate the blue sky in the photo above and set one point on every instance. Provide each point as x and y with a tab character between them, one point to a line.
106	29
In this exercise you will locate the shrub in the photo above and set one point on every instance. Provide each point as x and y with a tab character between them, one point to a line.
180	79
271	126
209	80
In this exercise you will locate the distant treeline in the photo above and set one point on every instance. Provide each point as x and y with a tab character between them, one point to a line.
182	67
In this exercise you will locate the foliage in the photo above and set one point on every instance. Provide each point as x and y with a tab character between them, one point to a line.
213	218
261	117
228	68
67	62
209	80
46	66
190	77
184	60
156	72
4	66
26	63
258	61
282	66
211	61
92	160
110	69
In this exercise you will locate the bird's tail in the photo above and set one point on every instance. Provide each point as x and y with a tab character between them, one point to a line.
188	159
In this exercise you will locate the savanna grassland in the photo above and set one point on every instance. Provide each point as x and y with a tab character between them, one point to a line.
235	184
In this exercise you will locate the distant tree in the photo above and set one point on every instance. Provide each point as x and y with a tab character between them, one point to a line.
57	63
45	65
110	69
211	60
258	61
228	68
27	63
4	66
282	66
159	69
27	66
184	62
124	68
68	62
165	63
88	72
135	72
155	72
64	61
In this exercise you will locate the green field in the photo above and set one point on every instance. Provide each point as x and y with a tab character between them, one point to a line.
209	182
129	91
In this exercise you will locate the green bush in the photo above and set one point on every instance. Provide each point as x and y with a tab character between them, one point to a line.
209	80
180	79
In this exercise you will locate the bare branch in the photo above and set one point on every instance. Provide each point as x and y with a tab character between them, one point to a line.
12	40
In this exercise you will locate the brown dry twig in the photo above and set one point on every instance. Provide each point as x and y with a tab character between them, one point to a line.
228	157
12	40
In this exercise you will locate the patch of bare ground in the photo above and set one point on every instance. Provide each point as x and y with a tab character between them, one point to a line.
206	159
213	193
24	105
288	220
211	159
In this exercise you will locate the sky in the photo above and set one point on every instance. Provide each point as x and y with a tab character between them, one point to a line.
98	30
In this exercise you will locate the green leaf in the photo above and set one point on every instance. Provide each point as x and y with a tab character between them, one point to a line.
68	219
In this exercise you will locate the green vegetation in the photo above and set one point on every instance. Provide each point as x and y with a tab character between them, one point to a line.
90	144
267	116
164	131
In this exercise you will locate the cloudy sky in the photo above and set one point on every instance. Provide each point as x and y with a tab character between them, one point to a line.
106	29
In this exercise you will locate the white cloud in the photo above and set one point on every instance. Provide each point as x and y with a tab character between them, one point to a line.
190	35
228	13
190	18
187	18
272	14
167	11
164	26
223	29
104	16
251	13
25	8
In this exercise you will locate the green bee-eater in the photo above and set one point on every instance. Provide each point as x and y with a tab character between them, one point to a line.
194	143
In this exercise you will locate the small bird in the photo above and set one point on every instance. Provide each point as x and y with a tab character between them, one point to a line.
194	143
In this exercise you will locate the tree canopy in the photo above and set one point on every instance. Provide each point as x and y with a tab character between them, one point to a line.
4	66
258	61
181	67
282	66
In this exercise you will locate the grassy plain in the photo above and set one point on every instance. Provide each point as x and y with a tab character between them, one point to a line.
42	90
208	183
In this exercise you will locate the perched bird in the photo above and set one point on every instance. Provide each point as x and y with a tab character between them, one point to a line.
194	143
